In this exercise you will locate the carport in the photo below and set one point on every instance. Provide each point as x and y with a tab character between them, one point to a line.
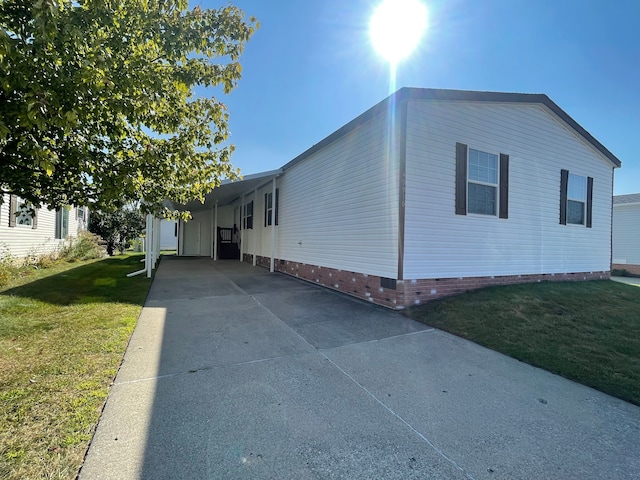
236	373
216	229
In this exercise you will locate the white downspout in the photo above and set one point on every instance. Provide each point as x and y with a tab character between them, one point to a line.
241	226
212	239
215	232
255	239
156	237
273	226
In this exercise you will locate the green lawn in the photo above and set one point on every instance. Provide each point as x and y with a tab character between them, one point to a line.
63	332
586	331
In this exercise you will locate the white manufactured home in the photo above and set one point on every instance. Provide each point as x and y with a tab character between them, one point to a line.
429	193
168	234
626	233
26	231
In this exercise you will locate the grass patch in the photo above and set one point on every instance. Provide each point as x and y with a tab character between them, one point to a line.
585	331
63	332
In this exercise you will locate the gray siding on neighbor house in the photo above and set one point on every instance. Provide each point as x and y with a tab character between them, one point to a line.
21	241
441	244
626	233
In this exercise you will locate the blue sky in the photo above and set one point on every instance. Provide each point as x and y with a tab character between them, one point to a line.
311	68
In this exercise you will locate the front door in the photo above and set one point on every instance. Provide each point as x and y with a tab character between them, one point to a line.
192	237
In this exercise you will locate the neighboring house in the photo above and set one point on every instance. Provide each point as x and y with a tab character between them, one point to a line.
429	193
168	234
626	233
26	231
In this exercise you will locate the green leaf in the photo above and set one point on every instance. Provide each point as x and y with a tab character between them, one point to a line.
99	99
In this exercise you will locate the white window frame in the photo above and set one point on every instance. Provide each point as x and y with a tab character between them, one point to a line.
583	200
23	207
496	206
61	233
246	216
268	208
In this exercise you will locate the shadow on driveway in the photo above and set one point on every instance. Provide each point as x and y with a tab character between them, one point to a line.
236	373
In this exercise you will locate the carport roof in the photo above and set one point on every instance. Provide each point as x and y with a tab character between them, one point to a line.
229	191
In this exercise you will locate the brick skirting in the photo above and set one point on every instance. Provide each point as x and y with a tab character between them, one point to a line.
633	269
420	291
399	294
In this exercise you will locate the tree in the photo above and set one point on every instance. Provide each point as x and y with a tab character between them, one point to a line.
97	103
117	228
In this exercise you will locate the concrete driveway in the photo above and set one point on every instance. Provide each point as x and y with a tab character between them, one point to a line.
235	373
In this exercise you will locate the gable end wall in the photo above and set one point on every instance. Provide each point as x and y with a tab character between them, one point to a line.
440	244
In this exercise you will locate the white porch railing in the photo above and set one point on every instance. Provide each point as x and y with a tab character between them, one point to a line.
151	247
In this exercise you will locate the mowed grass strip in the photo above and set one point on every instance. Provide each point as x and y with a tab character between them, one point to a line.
585	331
63	333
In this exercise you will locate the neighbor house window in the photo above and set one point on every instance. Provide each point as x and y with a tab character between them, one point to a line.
62	223
269	207
482	182
247	216
22	213
576	194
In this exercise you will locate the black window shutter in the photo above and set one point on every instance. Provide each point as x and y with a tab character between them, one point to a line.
589	201
266	198
13	208
275	206
461	179
504	186
34	218
564	183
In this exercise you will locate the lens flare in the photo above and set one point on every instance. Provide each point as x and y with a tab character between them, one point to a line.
396	28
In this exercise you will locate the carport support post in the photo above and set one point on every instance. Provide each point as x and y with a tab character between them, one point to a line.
255	240
156	236
149	245
273	225
241	226
214	232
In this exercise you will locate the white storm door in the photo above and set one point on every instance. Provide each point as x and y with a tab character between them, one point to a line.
192	237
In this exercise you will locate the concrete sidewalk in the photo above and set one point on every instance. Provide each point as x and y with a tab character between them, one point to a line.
628	280
235	373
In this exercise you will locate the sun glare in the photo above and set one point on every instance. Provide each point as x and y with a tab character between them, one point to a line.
396	28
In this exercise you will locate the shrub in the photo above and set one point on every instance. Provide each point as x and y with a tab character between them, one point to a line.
86	247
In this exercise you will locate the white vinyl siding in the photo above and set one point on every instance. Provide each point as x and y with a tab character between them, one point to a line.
259	239
21	241
440	244
339	207
626	234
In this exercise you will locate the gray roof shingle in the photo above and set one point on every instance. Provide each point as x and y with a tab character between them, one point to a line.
631	198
